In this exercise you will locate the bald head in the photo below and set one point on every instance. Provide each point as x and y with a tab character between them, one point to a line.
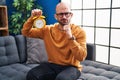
62	7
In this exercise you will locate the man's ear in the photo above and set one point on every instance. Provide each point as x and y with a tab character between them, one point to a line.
55	16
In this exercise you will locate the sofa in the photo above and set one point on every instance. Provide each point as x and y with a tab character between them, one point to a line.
14	61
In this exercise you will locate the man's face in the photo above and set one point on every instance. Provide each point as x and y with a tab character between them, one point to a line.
63	15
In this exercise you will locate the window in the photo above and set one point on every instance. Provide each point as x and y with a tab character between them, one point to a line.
101	21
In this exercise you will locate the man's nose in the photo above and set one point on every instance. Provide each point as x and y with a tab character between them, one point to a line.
64	16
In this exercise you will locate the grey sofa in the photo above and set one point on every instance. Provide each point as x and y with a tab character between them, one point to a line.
13	66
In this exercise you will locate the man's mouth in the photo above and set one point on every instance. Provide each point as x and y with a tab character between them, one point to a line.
64	20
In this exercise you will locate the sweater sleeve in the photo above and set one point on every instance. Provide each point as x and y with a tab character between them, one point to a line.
29	31
78	46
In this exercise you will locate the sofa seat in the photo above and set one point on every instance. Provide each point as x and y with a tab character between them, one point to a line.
99	71
16	71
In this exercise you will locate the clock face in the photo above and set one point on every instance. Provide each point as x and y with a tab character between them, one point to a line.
39	23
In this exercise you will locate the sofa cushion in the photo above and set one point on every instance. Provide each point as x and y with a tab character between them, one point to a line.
99	71
15	71
36	52
21	45
8	51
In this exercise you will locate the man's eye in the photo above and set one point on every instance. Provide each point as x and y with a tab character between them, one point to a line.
61	14
66	13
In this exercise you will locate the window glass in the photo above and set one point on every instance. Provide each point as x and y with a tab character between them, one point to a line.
103	3
103	18
115	18
76	19
102	54
88	17
102	36
115	39
88	4
115	56
89	34
76	4
116	3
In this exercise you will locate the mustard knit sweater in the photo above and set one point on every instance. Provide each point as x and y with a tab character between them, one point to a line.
60	49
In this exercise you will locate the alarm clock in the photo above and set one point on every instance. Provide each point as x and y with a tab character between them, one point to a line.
39	22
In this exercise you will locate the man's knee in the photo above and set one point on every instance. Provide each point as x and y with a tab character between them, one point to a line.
69	74
30	76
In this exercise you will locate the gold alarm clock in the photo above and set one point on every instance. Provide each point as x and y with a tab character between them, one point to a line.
39	22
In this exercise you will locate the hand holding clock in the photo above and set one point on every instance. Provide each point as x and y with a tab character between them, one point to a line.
39	21
36	13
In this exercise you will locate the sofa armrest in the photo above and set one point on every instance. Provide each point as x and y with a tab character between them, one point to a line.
90	51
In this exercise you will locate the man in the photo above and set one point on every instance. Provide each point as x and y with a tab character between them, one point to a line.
65	44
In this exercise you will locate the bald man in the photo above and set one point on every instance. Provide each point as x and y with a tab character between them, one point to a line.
65	45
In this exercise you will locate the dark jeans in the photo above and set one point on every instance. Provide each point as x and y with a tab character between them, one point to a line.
50	71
